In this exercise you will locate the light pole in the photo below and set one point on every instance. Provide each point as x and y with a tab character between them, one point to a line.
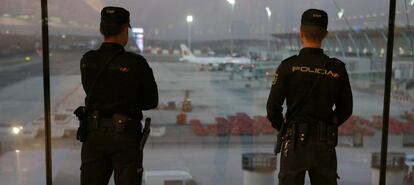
232	3
269	15
190	20
341	13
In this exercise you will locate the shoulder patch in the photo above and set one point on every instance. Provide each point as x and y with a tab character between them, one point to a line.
274	80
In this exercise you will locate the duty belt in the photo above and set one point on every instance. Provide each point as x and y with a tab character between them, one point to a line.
117	122
298	133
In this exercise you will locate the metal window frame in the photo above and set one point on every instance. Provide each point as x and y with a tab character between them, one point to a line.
387	92
46	91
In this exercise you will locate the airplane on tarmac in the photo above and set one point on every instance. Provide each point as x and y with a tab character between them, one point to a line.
212	63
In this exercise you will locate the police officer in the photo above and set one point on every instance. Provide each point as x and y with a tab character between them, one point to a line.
318	98
125	88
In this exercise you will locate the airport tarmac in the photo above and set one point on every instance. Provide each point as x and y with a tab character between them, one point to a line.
208	165
212	94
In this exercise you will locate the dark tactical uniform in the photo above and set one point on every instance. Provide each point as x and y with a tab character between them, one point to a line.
311	132
125	88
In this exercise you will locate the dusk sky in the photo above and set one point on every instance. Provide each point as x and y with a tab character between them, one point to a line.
166	19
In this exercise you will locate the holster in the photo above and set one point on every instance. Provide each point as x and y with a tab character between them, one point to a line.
279	141
117	122
322	131
82	132
332	135
328	133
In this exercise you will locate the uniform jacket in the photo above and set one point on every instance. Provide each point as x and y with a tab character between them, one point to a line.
126	86
331	99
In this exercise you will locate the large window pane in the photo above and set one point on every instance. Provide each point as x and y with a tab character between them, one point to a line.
223	107
22	158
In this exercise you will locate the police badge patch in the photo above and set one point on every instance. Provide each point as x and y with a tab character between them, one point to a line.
274	81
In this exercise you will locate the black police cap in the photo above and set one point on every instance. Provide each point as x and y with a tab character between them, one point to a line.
111	15
315	17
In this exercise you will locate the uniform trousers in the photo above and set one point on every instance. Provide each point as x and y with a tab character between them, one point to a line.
311	155
106	151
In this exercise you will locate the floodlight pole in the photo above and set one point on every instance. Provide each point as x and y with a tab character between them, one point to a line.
46	91
232	3
269	16
231	30
189	35
190	20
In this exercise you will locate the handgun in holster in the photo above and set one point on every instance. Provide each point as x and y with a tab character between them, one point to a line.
82	132
279	141
145	133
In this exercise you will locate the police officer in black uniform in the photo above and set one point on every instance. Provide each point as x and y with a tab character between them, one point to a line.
125	88
318	98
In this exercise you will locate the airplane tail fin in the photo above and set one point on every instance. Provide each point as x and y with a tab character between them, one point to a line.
185	51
